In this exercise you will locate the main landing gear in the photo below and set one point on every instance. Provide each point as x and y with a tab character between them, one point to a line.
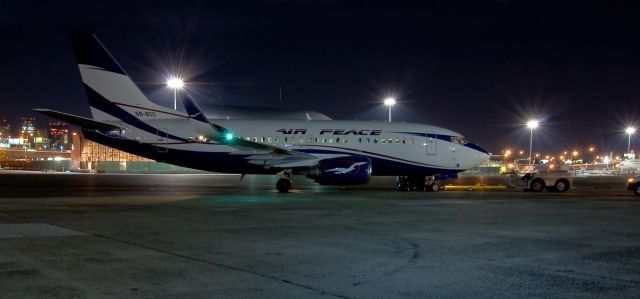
418	183
284	184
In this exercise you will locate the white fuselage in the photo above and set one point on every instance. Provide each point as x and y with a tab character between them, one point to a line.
403	146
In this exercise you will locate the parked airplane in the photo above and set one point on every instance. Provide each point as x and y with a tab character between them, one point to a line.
331	152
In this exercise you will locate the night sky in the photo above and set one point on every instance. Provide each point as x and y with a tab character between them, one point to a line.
481	68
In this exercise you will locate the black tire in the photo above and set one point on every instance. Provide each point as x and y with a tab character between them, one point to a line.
537	185
561	185
283	185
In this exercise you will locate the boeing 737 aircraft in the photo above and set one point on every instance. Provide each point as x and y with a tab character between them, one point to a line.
330	152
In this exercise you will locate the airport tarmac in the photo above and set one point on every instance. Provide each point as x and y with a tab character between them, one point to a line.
213	236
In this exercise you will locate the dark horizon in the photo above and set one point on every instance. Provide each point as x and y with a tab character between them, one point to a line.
481	68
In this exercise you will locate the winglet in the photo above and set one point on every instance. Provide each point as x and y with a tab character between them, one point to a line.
195	113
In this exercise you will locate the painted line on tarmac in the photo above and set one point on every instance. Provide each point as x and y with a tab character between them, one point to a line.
229	267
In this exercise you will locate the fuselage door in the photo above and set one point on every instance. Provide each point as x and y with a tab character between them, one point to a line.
431	144
162	140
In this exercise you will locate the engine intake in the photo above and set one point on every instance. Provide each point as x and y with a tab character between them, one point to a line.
352	170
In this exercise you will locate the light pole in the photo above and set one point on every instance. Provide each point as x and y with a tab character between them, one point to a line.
506	156
175	83
389	102
630	131
532	125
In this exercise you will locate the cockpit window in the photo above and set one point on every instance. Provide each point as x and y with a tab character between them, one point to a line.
458	140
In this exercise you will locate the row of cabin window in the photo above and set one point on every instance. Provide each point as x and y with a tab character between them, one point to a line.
310	139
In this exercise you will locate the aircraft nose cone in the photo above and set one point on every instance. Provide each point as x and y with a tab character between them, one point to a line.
480	154
477	148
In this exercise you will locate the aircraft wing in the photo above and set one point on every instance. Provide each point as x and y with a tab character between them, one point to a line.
79	120
257	153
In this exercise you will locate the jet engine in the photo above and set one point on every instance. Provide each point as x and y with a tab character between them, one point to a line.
352	170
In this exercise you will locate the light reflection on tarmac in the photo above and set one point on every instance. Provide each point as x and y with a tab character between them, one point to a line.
95	235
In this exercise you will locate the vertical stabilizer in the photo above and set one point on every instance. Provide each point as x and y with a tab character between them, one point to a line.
111	92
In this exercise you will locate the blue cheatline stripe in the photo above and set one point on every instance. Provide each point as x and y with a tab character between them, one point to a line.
436	135
99	102
448	139
476	147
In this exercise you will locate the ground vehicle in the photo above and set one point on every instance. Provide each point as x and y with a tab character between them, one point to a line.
553	180
633	184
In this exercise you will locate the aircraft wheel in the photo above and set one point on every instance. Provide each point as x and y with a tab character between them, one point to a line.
435	187
283	185
537	185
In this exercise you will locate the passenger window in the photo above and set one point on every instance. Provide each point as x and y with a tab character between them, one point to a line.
309	139
396	141
330	139
269	139
277	139
375	140
383	141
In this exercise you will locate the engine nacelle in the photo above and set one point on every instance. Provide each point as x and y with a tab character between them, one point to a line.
342	171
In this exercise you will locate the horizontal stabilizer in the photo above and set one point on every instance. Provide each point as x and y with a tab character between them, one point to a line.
79	120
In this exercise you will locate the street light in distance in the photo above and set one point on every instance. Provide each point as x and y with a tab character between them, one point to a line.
389	102
176	84
532	125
